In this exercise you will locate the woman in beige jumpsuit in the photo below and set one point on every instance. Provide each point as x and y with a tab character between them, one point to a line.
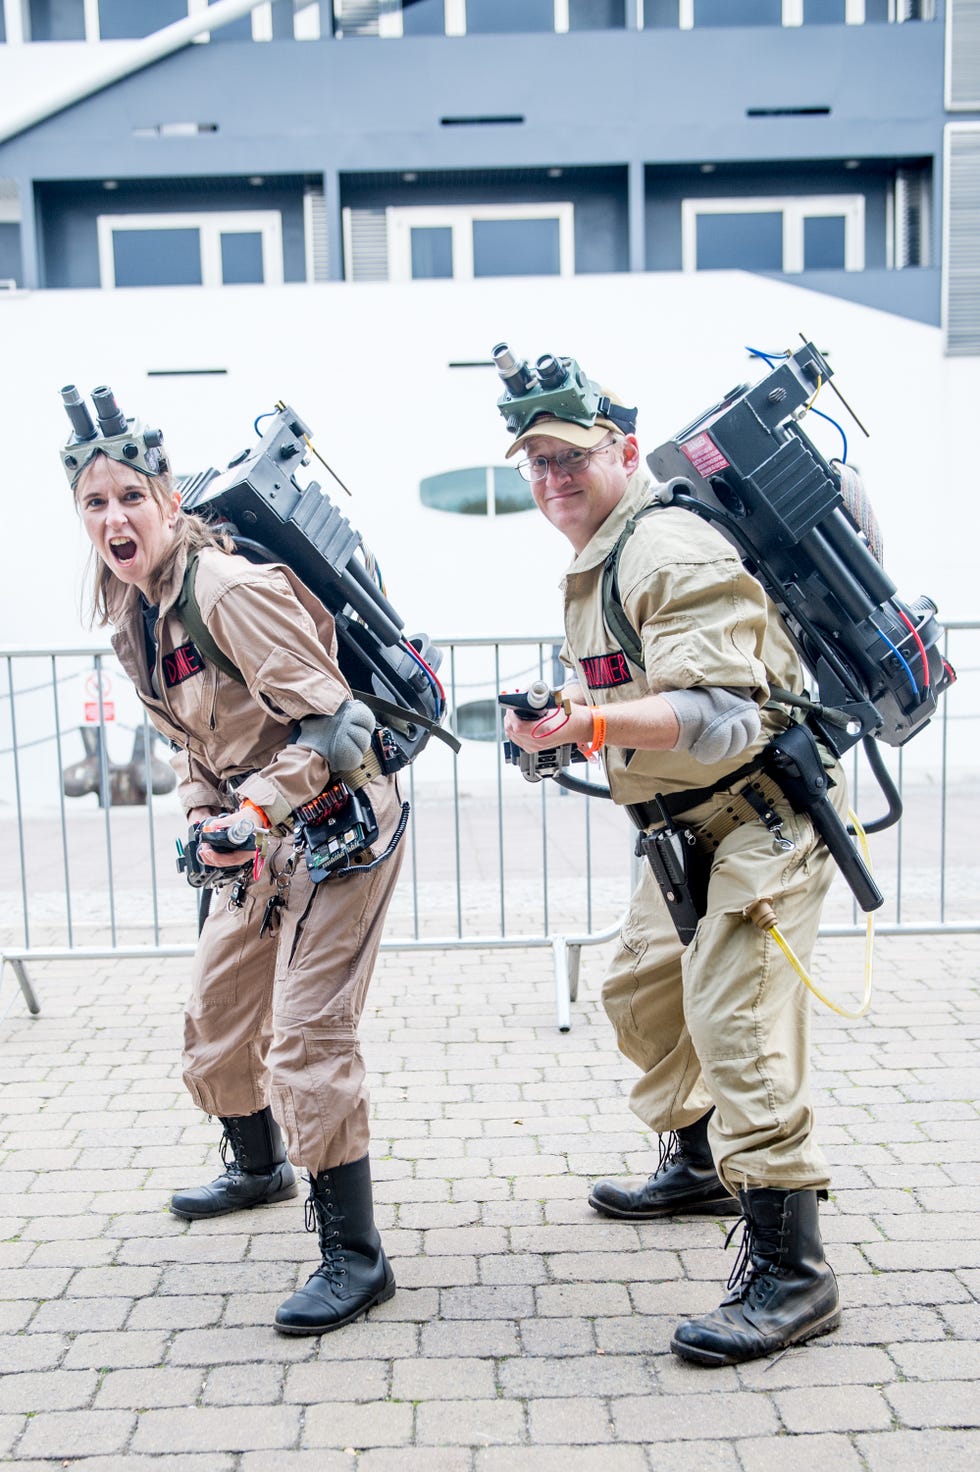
279	981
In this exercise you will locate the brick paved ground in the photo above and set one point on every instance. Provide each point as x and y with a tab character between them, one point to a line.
527	1333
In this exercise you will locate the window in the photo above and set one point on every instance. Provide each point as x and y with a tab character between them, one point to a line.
472	241
505	16
481	490
121	19
818	233
388	18
57	20
746	13
206	249
705	13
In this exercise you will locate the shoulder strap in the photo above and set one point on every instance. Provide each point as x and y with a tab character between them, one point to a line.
612	604
189	612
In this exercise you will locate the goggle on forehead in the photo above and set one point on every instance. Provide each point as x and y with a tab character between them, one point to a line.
555	386
110	434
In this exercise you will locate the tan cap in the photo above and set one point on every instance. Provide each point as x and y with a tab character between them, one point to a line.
581	436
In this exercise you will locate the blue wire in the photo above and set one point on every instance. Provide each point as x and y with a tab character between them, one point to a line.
821	415
769	358
410	647
901	659
270	415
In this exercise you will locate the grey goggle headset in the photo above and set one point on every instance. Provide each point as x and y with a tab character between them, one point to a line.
126	440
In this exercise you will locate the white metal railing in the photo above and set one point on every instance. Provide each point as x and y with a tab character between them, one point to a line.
491	862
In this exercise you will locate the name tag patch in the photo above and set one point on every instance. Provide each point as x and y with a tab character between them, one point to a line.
605	671
181	665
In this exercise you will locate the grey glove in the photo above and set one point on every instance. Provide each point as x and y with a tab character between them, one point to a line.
341	739
716	723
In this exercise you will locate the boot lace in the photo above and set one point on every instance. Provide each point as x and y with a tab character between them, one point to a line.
755	1259
234	1166
322	1217
670	1149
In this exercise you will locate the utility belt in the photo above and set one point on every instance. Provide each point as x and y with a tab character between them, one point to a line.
368	768
667	808
337	828
789	769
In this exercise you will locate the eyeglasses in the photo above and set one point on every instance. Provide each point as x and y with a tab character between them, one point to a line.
567	463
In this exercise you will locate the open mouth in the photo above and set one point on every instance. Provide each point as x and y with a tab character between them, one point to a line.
123	550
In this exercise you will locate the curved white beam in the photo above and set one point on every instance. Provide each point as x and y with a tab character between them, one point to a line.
142	53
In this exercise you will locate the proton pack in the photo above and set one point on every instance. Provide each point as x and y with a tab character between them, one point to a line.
270	518
801	527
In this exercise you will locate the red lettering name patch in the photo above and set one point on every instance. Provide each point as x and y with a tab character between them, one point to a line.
180	665
604	671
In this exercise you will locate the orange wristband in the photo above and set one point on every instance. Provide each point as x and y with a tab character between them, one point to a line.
261	814
598	732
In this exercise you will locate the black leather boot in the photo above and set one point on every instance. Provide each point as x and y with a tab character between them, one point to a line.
258	1173
685	1181
783	1289
354	1274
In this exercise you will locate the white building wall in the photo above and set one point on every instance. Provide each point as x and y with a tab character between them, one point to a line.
367	367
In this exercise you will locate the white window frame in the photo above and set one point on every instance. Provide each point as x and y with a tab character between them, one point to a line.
794	210
306	20
211	225
401	220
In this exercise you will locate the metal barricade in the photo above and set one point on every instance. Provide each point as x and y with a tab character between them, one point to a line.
492	861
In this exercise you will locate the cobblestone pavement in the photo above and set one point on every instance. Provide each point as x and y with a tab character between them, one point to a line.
527	1332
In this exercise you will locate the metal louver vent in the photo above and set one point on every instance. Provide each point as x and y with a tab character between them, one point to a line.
357	17
961	266
911	219
367	245
962	55
315	227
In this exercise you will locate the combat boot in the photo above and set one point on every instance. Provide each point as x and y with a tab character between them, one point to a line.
783	1291
685	1181
257	1174
354	1274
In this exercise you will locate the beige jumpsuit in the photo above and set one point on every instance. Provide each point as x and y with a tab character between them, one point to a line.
726	1021
273	1018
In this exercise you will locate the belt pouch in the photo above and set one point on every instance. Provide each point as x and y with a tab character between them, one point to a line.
681	870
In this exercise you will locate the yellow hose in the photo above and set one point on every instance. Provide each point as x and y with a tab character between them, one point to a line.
794	960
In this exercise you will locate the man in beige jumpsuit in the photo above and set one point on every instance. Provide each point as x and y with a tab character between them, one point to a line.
279	979
719	1030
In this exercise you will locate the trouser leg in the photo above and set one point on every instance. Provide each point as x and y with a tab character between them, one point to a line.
643	998
749	1013
327	951
227	1023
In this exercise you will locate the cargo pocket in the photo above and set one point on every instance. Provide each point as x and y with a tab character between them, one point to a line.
201	1094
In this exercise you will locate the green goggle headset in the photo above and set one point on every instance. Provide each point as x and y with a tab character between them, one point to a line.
554	386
